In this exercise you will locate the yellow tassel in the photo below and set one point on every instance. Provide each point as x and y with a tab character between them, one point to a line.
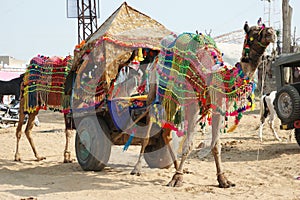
140	54
232	128
253	107
253	104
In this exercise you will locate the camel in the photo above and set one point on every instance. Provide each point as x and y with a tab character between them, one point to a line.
11	87
186	87
41	88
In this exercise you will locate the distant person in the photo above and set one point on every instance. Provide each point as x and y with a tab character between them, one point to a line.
259	22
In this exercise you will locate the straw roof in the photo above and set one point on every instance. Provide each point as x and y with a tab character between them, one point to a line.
128	25
112	44
126	28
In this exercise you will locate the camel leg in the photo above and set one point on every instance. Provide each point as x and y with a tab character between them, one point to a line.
30	124
67	152
19	129
177	179
138	166
216	151
69	123
167	136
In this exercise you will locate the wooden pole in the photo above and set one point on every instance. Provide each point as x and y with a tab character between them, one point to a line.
286	29
286	35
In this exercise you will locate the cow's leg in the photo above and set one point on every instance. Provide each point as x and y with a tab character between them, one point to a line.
138	166
262	117
261	126
216	151
290	135
19	129
30	124
271	123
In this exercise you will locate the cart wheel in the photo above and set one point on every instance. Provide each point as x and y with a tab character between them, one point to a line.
92	144
158	155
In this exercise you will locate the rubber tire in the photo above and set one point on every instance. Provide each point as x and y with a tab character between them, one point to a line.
294	104
158	155
297	135
93	133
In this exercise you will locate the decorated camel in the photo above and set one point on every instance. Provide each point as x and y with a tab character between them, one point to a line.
190	81
43	87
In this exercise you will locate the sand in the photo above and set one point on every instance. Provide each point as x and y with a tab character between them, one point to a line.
260	170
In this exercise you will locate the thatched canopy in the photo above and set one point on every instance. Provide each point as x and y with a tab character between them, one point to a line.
113	42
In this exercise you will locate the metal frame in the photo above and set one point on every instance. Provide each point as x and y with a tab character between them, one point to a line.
87	18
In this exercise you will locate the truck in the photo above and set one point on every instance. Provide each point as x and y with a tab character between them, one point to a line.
287	100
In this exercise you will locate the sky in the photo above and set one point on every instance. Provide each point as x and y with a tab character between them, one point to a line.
31	27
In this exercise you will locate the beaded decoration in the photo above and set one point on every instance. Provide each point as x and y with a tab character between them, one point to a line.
44	83
190	70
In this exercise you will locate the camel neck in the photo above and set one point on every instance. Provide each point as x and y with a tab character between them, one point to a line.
256	54
250	64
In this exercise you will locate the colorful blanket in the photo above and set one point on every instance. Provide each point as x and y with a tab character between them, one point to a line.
44	82
190	70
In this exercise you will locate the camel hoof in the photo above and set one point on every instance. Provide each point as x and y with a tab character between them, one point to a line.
38	158
69	160
135	172
17	157
224	182
67	157
177	180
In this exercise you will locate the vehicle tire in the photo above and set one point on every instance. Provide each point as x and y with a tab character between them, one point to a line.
287	104
158	155
92	144
297	135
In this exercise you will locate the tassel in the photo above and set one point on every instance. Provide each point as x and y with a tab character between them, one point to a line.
140	54
126	146
232	128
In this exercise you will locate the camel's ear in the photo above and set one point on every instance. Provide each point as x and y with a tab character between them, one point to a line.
246	27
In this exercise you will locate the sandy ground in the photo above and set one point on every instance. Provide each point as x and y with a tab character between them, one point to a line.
266	170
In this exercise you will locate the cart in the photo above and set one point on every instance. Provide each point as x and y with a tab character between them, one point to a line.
109	90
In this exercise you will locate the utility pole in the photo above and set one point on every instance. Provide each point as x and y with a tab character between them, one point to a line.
87	18
287	12
294	40
286	35
86	13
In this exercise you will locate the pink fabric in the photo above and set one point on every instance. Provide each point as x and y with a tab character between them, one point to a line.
6	75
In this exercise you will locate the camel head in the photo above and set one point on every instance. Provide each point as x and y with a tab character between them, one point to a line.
256	41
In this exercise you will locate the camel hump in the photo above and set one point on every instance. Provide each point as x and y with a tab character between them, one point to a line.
189	49
38	60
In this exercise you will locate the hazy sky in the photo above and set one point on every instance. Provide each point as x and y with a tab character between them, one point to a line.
31	27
